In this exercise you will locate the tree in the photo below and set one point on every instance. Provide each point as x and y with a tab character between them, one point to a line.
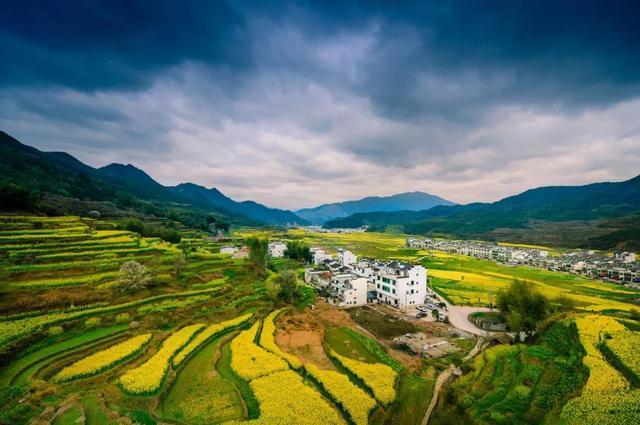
563	303
298	250
284	287
16	197
133	277
522	307
258	249
179	264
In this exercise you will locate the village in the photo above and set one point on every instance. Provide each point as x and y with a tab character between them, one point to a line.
617	267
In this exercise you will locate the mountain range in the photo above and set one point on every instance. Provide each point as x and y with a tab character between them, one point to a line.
598	215
57	178
410	201
63	184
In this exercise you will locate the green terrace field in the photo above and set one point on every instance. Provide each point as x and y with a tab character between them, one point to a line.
76	348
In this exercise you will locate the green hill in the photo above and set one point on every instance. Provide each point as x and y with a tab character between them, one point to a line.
559	215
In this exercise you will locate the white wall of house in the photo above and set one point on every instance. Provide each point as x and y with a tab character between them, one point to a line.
346	257
349	291
277	249
319	255
402	291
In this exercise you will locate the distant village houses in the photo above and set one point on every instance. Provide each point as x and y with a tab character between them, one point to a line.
620	267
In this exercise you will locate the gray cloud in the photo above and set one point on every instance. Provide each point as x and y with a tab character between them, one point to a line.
319	104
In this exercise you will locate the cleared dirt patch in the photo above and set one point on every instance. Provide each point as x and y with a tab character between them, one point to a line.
302	334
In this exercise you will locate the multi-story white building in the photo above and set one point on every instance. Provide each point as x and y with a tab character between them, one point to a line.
277	249
318	255
348	290
401	285
345	257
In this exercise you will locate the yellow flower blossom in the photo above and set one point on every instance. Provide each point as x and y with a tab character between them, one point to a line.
353	399
378	377
210	332
103	360
148	377
286	400
250	361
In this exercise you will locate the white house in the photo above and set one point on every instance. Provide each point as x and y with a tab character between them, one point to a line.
345	257
228	250
319	255
277	249
317	278
401	285
348	290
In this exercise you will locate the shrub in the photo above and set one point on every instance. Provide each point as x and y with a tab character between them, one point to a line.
55	330
92	322
103	360
133	276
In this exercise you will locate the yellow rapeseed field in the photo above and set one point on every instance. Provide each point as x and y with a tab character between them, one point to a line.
286	400
209	332
249	360
378	377
148	377
626	346
606	397
267	341
352	399
103	360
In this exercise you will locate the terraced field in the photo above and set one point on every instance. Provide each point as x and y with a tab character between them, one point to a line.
76	349
202	343
67	329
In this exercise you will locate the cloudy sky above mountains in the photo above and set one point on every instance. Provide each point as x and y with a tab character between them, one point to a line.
298	103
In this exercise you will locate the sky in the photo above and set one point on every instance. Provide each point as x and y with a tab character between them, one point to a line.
294	104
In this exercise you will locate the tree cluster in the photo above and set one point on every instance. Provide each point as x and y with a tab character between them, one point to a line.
152	230
284	287
522	307
258	248
298	250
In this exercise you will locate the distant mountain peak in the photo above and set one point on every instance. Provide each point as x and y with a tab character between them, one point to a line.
406	201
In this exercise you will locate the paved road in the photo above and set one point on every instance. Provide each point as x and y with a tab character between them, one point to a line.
459	317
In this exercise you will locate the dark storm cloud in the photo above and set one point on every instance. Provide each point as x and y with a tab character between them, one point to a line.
296	103
107	44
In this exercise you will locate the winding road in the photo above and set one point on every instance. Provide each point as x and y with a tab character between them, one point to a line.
459	317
